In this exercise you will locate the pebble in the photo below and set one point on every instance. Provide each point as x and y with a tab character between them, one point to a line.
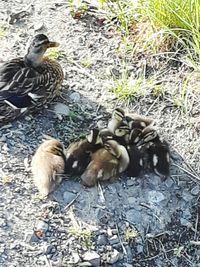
101	240
38	26
130	182
75	97
132	200
41	225
92	257
195	190
114	240
61	109
68	196
114	256
75	257
155	196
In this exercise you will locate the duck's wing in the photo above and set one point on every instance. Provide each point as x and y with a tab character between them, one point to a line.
19	84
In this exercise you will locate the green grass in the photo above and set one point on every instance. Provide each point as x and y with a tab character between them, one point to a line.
54	53
129	87
130	234
178	18
84	236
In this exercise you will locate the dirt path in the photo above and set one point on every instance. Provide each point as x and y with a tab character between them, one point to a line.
131	222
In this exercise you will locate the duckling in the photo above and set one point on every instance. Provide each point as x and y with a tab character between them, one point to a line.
116	120
78	154
157	150
106	163
138	121
48	165
136	161
27	84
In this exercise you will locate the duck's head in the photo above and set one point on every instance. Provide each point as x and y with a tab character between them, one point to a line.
37	48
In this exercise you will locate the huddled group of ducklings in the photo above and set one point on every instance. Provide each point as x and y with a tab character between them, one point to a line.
128	143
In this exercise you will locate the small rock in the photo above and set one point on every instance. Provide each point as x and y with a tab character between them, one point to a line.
114	240
139	248
92	257
186	195
185	222
68	196
75	257
101	240
61	109
38	26
195	190
75	97
30	237
132	200
130	182
49	249
155	196
41	225
169	182
114	257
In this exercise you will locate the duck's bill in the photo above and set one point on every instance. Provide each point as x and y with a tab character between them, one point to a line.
53	44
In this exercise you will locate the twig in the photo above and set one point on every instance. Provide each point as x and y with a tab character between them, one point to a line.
196	225
101	195
81	69
120	241
187	171
70	203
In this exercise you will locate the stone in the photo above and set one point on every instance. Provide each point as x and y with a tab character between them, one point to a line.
114	257
38	26
195	190
185	222
101	240
75	257
186	195
92	257
114	240
132	200
155	196
61	109
68	196
139	248
42	225
30	237
75	97
130	182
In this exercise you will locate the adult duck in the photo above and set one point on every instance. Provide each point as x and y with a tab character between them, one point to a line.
28	83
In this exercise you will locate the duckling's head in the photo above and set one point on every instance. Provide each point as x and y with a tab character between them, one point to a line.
53	147
122	130
93	137
134	136
105	135
113	147
147	135
118	114
37	48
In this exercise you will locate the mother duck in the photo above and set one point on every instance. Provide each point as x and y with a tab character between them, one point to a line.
26	84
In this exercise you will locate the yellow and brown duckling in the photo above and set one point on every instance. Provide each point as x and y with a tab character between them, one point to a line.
156	150
106	163
78	154
48	165
28	83
116	120
136	121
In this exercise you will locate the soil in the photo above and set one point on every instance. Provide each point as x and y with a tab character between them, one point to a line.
130	222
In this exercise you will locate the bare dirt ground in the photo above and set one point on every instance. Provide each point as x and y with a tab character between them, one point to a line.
130	222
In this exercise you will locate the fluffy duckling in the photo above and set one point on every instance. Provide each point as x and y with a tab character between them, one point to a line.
116	120
106	163
157	150
136	161
78	154
48	165
138	121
